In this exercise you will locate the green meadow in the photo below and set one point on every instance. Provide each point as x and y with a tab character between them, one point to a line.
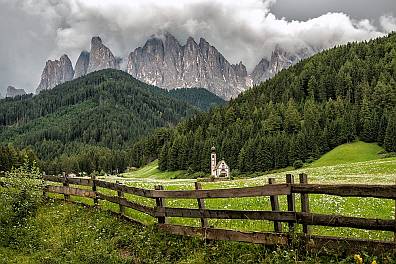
368	168
68	233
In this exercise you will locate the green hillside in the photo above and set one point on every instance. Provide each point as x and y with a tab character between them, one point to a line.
199	97
338	96
349	153
87	124
151	171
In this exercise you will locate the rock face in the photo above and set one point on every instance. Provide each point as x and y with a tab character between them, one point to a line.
280	59
82	63
56	72
100	57
59	71
163	62
12	91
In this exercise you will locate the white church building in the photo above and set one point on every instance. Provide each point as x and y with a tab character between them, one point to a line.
220	169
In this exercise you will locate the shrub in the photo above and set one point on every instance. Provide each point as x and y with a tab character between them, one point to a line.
310	160
235	173
19	199
298	164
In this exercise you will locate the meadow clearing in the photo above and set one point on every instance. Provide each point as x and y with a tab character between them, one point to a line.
361	164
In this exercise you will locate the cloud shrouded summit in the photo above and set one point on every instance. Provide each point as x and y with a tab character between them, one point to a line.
34	31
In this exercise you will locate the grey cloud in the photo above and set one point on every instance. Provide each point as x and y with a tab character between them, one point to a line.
242	30
357	9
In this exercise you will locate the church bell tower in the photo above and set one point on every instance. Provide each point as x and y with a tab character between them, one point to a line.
213	162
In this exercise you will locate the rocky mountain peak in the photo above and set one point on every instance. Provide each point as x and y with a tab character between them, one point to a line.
280	59
260	72
82	63
96	42
191	42
167	64
171	39
12	91
203	42
56	72
240	69
154	46
164	62
100	56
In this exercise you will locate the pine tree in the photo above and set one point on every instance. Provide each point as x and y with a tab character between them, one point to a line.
163	158
390	136
273	121
292	117
312	86
368	122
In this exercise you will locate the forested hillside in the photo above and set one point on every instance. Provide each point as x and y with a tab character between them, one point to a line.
337	96
86	124
199	97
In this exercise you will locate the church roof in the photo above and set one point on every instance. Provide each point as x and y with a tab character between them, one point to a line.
220	162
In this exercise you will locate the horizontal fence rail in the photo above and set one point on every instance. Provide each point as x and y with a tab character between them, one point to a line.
272	190
348	190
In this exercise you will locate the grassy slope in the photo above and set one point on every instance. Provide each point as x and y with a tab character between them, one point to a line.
348	153
151	171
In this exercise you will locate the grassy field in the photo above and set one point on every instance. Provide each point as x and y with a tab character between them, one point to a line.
349	153
347	170
151	171
68	233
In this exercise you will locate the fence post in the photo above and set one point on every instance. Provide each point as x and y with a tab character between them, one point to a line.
275	207
304	202
45	189
160	202
45	192
201	205
95	200
66	197
120	194
291	207
394	232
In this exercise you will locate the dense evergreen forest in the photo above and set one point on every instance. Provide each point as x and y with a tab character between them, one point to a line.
12	157
87	124
337	96
199	97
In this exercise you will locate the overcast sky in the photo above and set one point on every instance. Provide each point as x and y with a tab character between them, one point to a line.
34	31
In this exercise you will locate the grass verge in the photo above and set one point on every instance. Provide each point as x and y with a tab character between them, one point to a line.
68	233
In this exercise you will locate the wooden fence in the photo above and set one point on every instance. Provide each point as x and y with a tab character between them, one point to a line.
279	237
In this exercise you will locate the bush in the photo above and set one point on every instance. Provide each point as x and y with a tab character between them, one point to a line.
235	173
19	199
298	164
385	154
310	160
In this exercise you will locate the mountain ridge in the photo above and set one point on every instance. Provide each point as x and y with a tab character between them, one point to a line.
168	64
13	92
164	62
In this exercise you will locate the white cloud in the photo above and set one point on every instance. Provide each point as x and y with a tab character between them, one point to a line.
388	23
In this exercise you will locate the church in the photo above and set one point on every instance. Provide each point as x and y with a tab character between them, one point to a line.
220	169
